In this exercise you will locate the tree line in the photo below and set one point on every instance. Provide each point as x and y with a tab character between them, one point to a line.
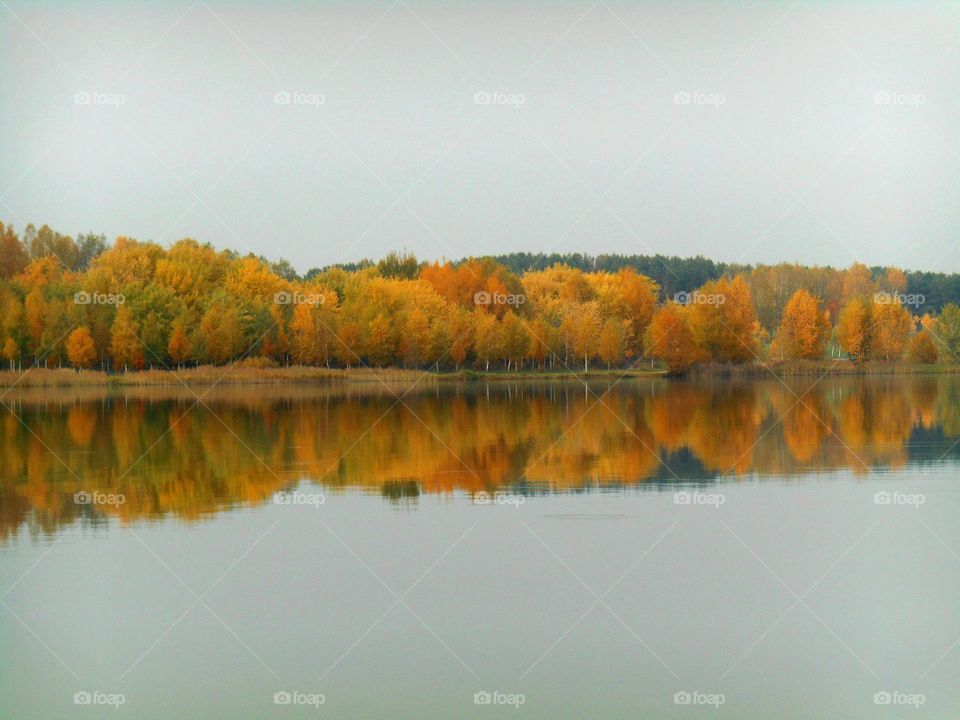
84	303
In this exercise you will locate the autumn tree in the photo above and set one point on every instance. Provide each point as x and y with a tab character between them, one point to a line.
380	341
13	256
80	348
221	334
612	345
723	320
178	348
923	350
11	352
125	346
415	343
514	339
544	341
890	331
893	281
804	329
302	335
486	337
854	328
461	333
348	341
670	338
586	332
858	282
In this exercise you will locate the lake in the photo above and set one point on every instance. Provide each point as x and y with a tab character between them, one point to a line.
637	549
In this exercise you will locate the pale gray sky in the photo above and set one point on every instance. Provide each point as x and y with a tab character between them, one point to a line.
811	131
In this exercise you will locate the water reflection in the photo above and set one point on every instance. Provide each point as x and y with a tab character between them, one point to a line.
168	455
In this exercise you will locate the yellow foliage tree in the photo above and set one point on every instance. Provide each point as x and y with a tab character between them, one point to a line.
125	345
80	348
723	320
670	338
853	328
923	350
891	328
178	346
804	329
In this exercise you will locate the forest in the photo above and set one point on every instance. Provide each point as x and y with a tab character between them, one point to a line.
84	303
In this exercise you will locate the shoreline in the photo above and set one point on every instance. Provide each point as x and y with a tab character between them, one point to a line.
209	375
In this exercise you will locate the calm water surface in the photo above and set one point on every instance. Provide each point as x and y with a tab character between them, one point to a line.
776	549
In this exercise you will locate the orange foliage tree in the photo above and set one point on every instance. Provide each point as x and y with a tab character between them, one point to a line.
890	330
723	320
923	350
80	348
804	329
853	328
670	339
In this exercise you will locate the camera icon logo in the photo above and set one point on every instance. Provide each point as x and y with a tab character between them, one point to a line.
282	98
482	298
81	298
882	98
682	698
682	298
482	698
82	498
882	498
82	98
282	698
282	298
482	498
882	698
482	97
82	698
282	498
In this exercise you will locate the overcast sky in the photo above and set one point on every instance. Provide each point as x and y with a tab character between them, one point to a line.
754	132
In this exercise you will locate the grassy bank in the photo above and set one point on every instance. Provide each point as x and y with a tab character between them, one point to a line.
241	374
252	375
205	375
800	368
